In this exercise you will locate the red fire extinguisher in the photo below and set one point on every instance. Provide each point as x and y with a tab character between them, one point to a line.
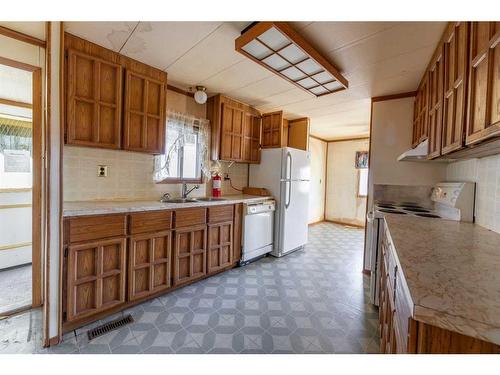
216	185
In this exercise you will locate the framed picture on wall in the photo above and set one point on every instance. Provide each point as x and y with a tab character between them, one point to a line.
361	161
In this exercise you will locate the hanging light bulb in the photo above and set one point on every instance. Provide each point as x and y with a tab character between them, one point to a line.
200	96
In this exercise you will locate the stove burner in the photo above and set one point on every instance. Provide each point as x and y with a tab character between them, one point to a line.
393	211
415	209
428	215
386	206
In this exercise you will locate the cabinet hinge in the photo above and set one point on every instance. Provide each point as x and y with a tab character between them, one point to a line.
66	252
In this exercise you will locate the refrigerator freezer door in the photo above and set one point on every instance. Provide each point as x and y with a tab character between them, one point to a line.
293	216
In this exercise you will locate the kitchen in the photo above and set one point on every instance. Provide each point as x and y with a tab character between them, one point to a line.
194	193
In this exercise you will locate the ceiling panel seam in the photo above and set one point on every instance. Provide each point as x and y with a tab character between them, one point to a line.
133	31
194	45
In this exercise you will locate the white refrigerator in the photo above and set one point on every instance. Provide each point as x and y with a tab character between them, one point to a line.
285	172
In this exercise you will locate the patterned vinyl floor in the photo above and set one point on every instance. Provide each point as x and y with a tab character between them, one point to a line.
311	301
15	288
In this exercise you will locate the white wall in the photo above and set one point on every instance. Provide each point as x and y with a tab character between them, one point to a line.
392	124
342	201
318	149
486	173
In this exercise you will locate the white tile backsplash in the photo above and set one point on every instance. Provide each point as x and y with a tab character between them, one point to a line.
130	176
486	173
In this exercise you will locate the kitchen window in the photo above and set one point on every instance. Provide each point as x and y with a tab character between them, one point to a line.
362	182
185	158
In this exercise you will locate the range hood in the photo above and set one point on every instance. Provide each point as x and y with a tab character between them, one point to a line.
418	153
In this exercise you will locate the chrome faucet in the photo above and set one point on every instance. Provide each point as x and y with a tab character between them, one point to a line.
185	191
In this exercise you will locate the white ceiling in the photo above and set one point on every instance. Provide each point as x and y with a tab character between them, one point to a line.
378	58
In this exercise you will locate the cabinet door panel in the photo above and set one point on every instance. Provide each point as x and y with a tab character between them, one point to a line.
220	243
190	251
93	101
144	122
436	82
272	129
149	264
95	277
484	82
232	133
455	85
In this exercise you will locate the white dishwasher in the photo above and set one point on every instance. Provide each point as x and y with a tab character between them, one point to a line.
258	230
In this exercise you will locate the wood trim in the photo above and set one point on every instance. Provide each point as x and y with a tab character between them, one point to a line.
22	37
349	139
340	222
14	190
316	222
15	246
15	103
175	180
180	91
326	180
401	95
368	190
53	341
10	206
318	138
18	64
366	272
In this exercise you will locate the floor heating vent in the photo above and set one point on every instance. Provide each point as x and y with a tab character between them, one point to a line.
110	326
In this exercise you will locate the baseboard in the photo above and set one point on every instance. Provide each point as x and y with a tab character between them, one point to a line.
345	223
53	341
367	272
316	222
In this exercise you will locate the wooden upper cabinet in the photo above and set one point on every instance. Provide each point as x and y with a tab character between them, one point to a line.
298	134
272	130
93	102
436	83
144	114
232	133
455	86
251	138
484	82
95	277
420	112
235	130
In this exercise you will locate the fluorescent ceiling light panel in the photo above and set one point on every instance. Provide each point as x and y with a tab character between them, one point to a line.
279	48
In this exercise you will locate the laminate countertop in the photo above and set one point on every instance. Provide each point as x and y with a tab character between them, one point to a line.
452	272
84	208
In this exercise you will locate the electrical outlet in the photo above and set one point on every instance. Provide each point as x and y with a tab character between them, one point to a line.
226	177
102	171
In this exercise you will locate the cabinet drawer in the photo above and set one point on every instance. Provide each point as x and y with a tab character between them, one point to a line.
96	227
220	214
145	222
190	216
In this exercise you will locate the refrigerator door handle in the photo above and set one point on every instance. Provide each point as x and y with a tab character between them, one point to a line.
287	204
289	178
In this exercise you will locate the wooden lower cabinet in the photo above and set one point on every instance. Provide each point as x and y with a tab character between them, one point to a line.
149	264
220	243
96	274
190	252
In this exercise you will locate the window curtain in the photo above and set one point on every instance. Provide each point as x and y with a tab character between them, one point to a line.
181	128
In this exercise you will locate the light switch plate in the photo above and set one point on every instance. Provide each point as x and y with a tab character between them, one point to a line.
102	171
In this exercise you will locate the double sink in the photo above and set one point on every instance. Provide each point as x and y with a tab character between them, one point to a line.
191	200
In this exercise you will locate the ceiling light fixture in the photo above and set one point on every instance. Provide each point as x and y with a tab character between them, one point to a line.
200	95
279	48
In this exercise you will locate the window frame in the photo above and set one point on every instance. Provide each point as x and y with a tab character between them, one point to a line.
180	180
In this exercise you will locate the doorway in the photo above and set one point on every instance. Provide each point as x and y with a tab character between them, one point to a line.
20	187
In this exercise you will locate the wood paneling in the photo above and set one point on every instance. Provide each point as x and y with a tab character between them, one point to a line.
94	101
150	266
298	134
95	277
272	130
190	253
484	82
144	114
220	246
190	216
251	138
455	86
237	232
90	228
145	222
436	82
219	214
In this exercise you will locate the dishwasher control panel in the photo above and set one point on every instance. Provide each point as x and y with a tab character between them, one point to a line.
256	208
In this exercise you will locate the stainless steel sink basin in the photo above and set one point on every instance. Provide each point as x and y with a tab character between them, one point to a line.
210	199
178	200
